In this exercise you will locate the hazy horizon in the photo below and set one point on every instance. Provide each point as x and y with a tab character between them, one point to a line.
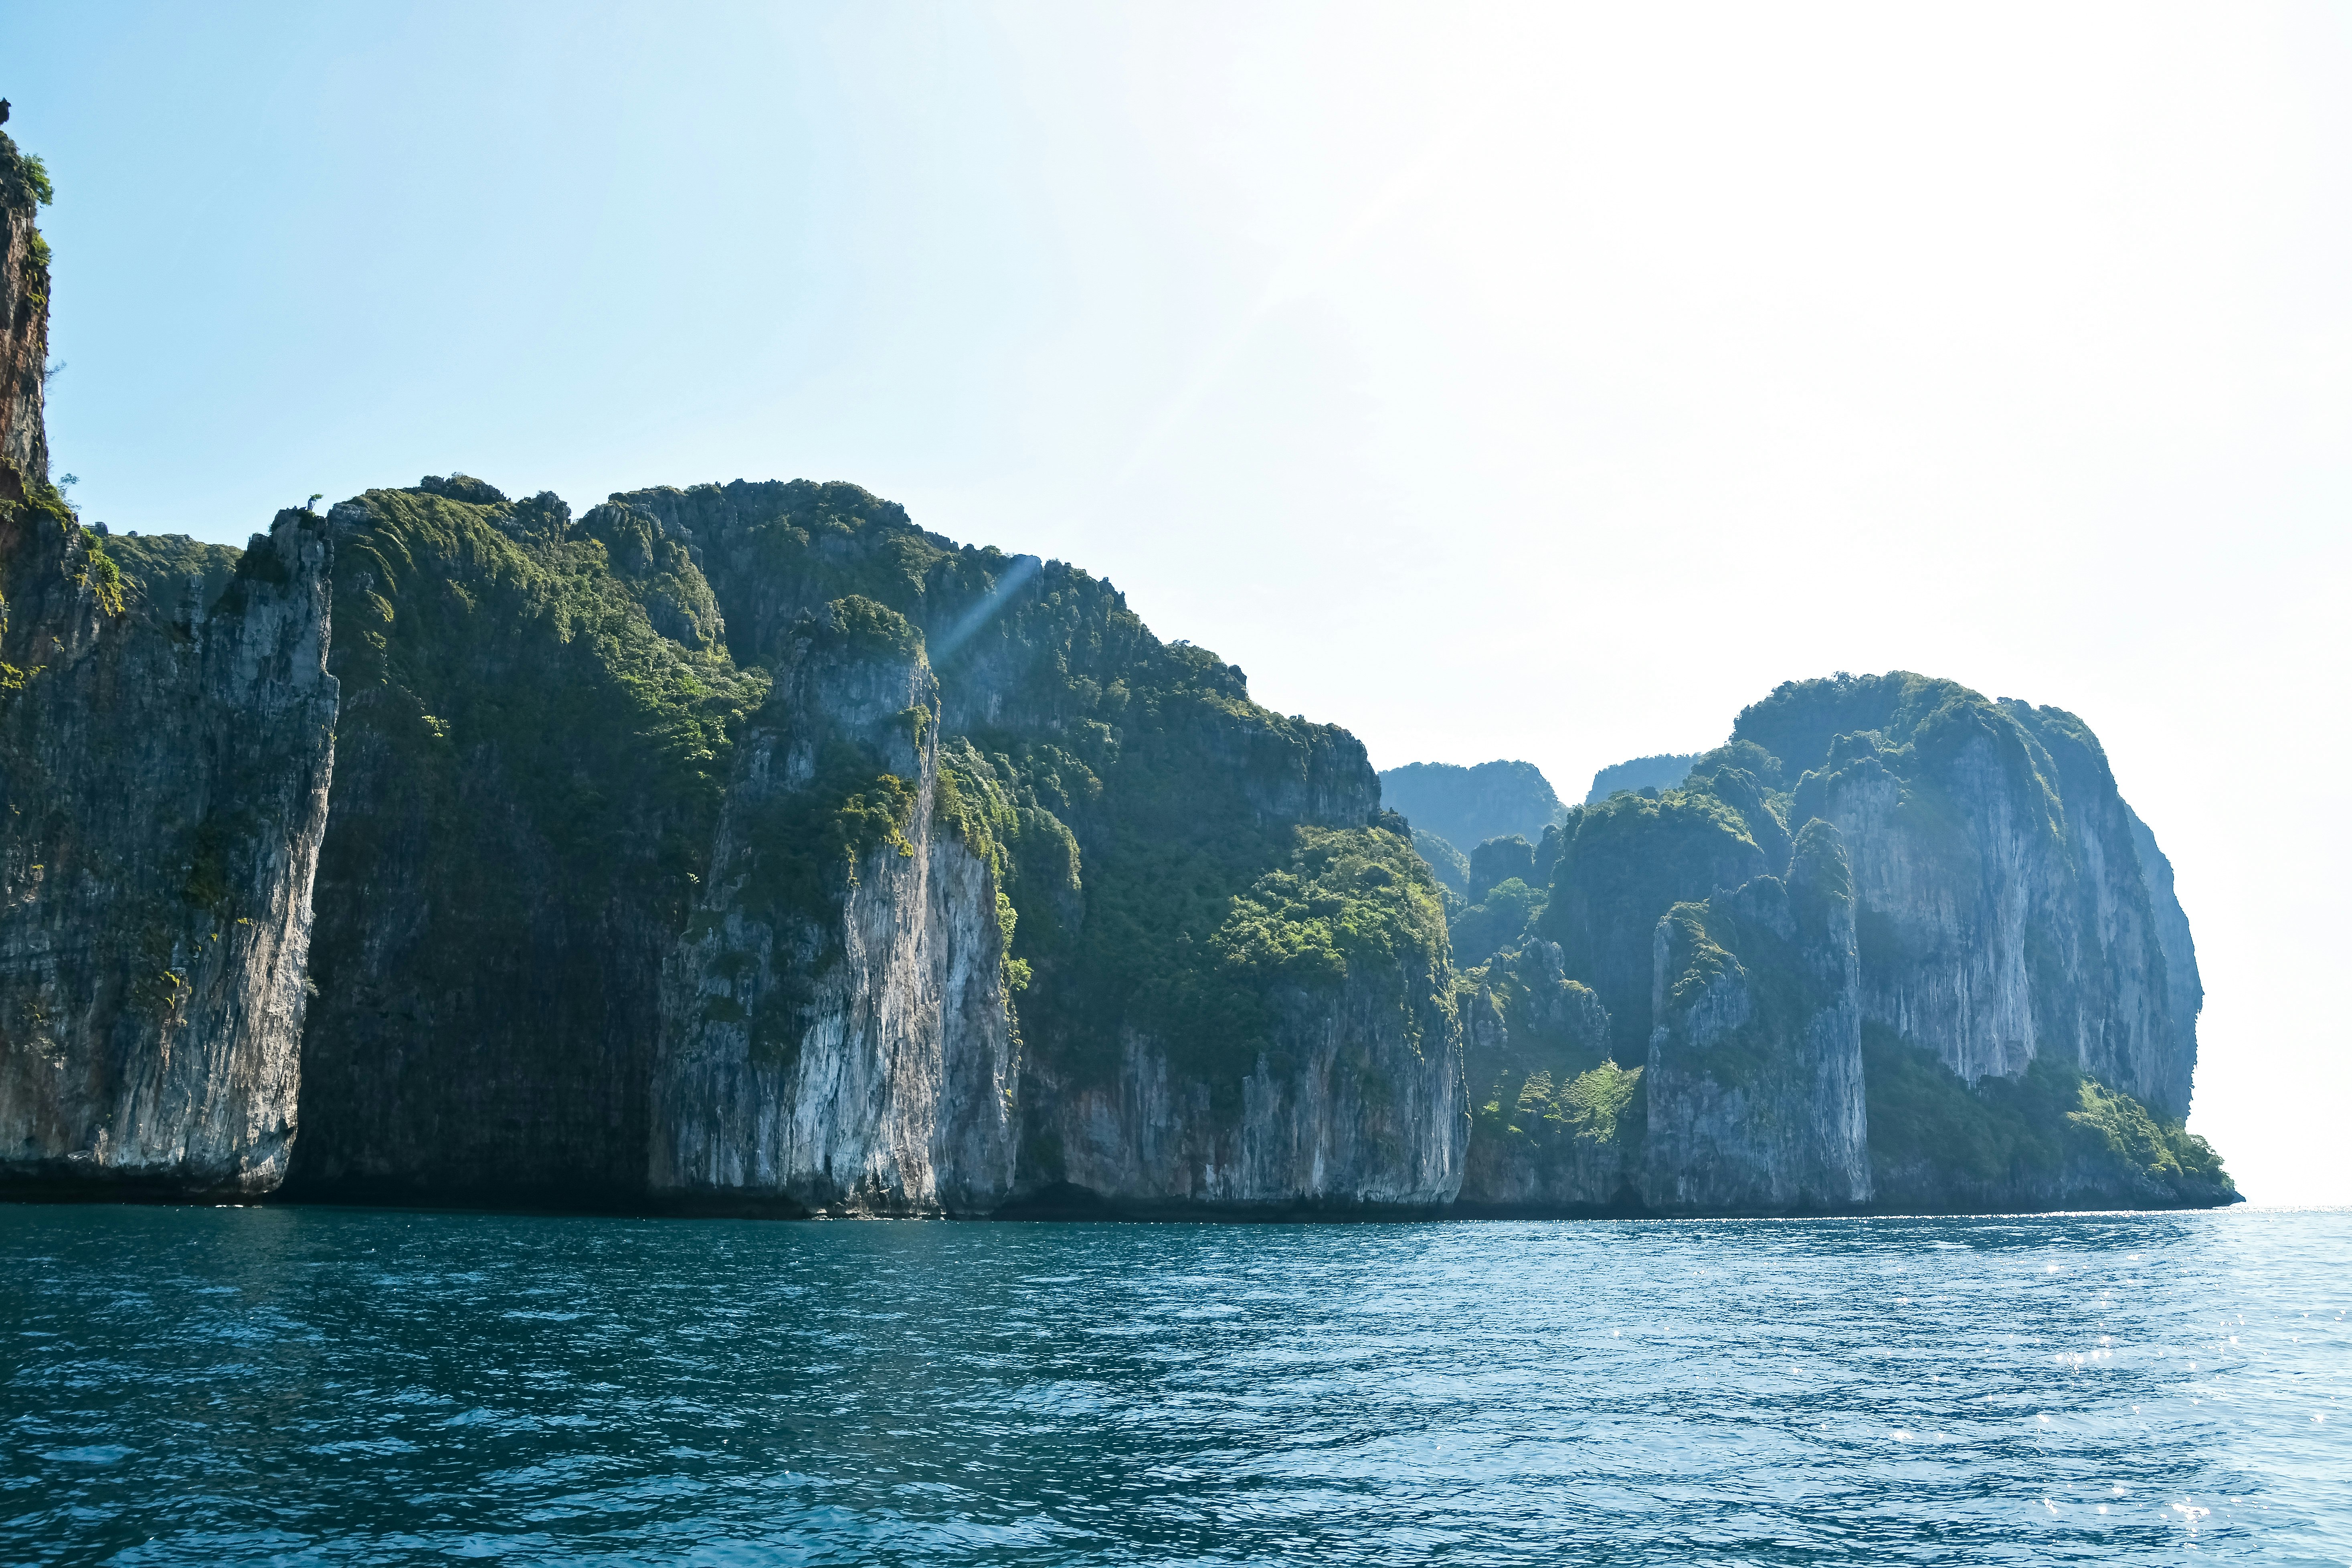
1528	383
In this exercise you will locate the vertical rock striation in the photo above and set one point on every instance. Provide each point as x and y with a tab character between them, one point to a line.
2003	910
166	726
23	321
1353	1102
2184	990
835	1032
166	746
530	776
1755	1084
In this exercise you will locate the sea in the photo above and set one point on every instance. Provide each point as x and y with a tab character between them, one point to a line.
288	1384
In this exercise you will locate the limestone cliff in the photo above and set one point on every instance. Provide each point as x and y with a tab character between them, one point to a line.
166	739
165	746
1558	1127
1345	1093
1193	1034
1627	861
529	778
2003	910
1755	1078
2014	931
24	320
836	1034
660	870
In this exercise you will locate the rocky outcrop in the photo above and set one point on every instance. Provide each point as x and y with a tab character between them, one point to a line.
1356	1105
1191	1037
1496	862
747	847
166	739
1556	1126
616	919
166	747
1467	806
837	1034
2023	982
24	324
1625	862
2002	906
1755	1078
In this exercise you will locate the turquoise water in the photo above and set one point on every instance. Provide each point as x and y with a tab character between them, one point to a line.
218	1386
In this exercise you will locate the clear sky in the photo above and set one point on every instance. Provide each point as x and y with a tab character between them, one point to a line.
1534	383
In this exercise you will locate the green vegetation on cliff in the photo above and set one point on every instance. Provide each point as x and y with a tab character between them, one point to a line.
1934	1140
1467	806
1497	921
1598	1106
1661	773
164	569
1145	817
1626	862
492	652
1770	934
1350	901
1447	864
23	178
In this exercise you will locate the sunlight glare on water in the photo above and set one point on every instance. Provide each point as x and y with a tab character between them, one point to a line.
285	1384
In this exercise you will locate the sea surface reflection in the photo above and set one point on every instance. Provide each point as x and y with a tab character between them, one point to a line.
285	1384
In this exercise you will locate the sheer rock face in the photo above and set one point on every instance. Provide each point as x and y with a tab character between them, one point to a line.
1755	1081
1359	1107
2184	989
568	962
23	330
2002	906
166	767
1630	859
853	1057
1556	1128
1110	750
510	845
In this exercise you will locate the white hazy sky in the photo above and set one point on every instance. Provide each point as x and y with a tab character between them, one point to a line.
1528	382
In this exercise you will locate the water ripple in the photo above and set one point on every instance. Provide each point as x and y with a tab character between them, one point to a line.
293	1386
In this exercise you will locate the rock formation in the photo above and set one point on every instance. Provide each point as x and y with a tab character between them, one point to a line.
165	743
166	727
1664	772
24	319
1754	1086
747	847
1558	1127
2004	912
843	1048
2023	981
658	872
1460	807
